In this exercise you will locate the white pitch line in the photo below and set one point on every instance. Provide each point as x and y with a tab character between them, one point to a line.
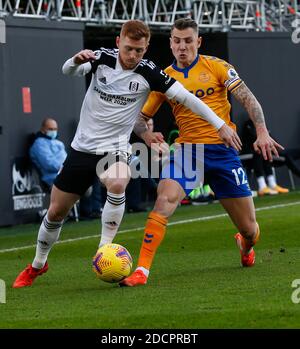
205	218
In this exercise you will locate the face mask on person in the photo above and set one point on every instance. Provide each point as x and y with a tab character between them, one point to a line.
51	134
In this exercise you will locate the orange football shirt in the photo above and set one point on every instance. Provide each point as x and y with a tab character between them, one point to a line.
208	78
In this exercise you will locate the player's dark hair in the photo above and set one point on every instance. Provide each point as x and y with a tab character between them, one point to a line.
184	23
135	30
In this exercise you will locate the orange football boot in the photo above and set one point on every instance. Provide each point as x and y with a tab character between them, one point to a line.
280	189
267	191
247	258
137	278
28	275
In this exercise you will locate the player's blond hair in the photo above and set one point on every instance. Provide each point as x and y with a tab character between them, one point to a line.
135	30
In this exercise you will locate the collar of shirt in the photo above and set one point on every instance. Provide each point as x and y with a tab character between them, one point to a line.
186	70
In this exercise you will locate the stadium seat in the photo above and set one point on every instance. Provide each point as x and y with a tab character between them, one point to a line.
279	161
287	159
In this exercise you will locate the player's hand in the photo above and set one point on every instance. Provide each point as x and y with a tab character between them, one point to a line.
230	137
84	56
266	145
152	137
160	151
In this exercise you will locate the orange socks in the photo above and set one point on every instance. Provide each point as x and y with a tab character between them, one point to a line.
154	233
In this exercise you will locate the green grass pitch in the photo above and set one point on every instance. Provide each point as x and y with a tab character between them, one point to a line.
196	280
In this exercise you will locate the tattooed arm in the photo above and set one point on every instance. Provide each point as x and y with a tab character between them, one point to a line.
264	144
251	104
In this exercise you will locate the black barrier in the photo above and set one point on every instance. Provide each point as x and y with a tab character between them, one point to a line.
138	338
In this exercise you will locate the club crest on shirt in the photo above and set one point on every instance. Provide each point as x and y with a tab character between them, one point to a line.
134	86
233	77
232	73
204	77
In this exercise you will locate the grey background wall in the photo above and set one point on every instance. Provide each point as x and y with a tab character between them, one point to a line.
36	50
32	57
270	65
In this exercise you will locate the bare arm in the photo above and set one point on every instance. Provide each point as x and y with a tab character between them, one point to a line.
142	131
251	104
140	125
264	143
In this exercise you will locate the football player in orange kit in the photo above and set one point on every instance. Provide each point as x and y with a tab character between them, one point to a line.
210	79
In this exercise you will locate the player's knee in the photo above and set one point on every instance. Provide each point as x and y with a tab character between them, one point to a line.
56	214
161	201
116	187
165	202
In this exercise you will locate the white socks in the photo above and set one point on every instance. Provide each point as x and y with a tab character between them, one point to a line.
47	236
112	215
261	182
271	181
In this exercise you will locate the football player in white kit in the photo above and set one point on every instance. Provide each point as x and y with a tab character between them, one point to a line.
121	82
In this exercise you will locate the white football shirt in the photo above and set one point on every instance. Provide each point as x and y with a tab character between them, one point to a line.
114	99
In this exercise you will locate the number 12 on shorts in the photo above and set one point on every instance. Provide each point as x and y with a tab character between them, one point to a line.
239	175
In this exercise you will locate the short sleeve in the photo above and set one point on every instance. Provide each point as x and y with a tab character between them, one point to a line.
228	75
153	103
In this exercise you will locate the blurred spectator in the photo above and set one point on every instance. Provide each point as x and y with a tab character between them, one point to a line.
47	152
149	184
134	196
91	204
142	189
171	141
263	170
172	136
202	195
150	124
